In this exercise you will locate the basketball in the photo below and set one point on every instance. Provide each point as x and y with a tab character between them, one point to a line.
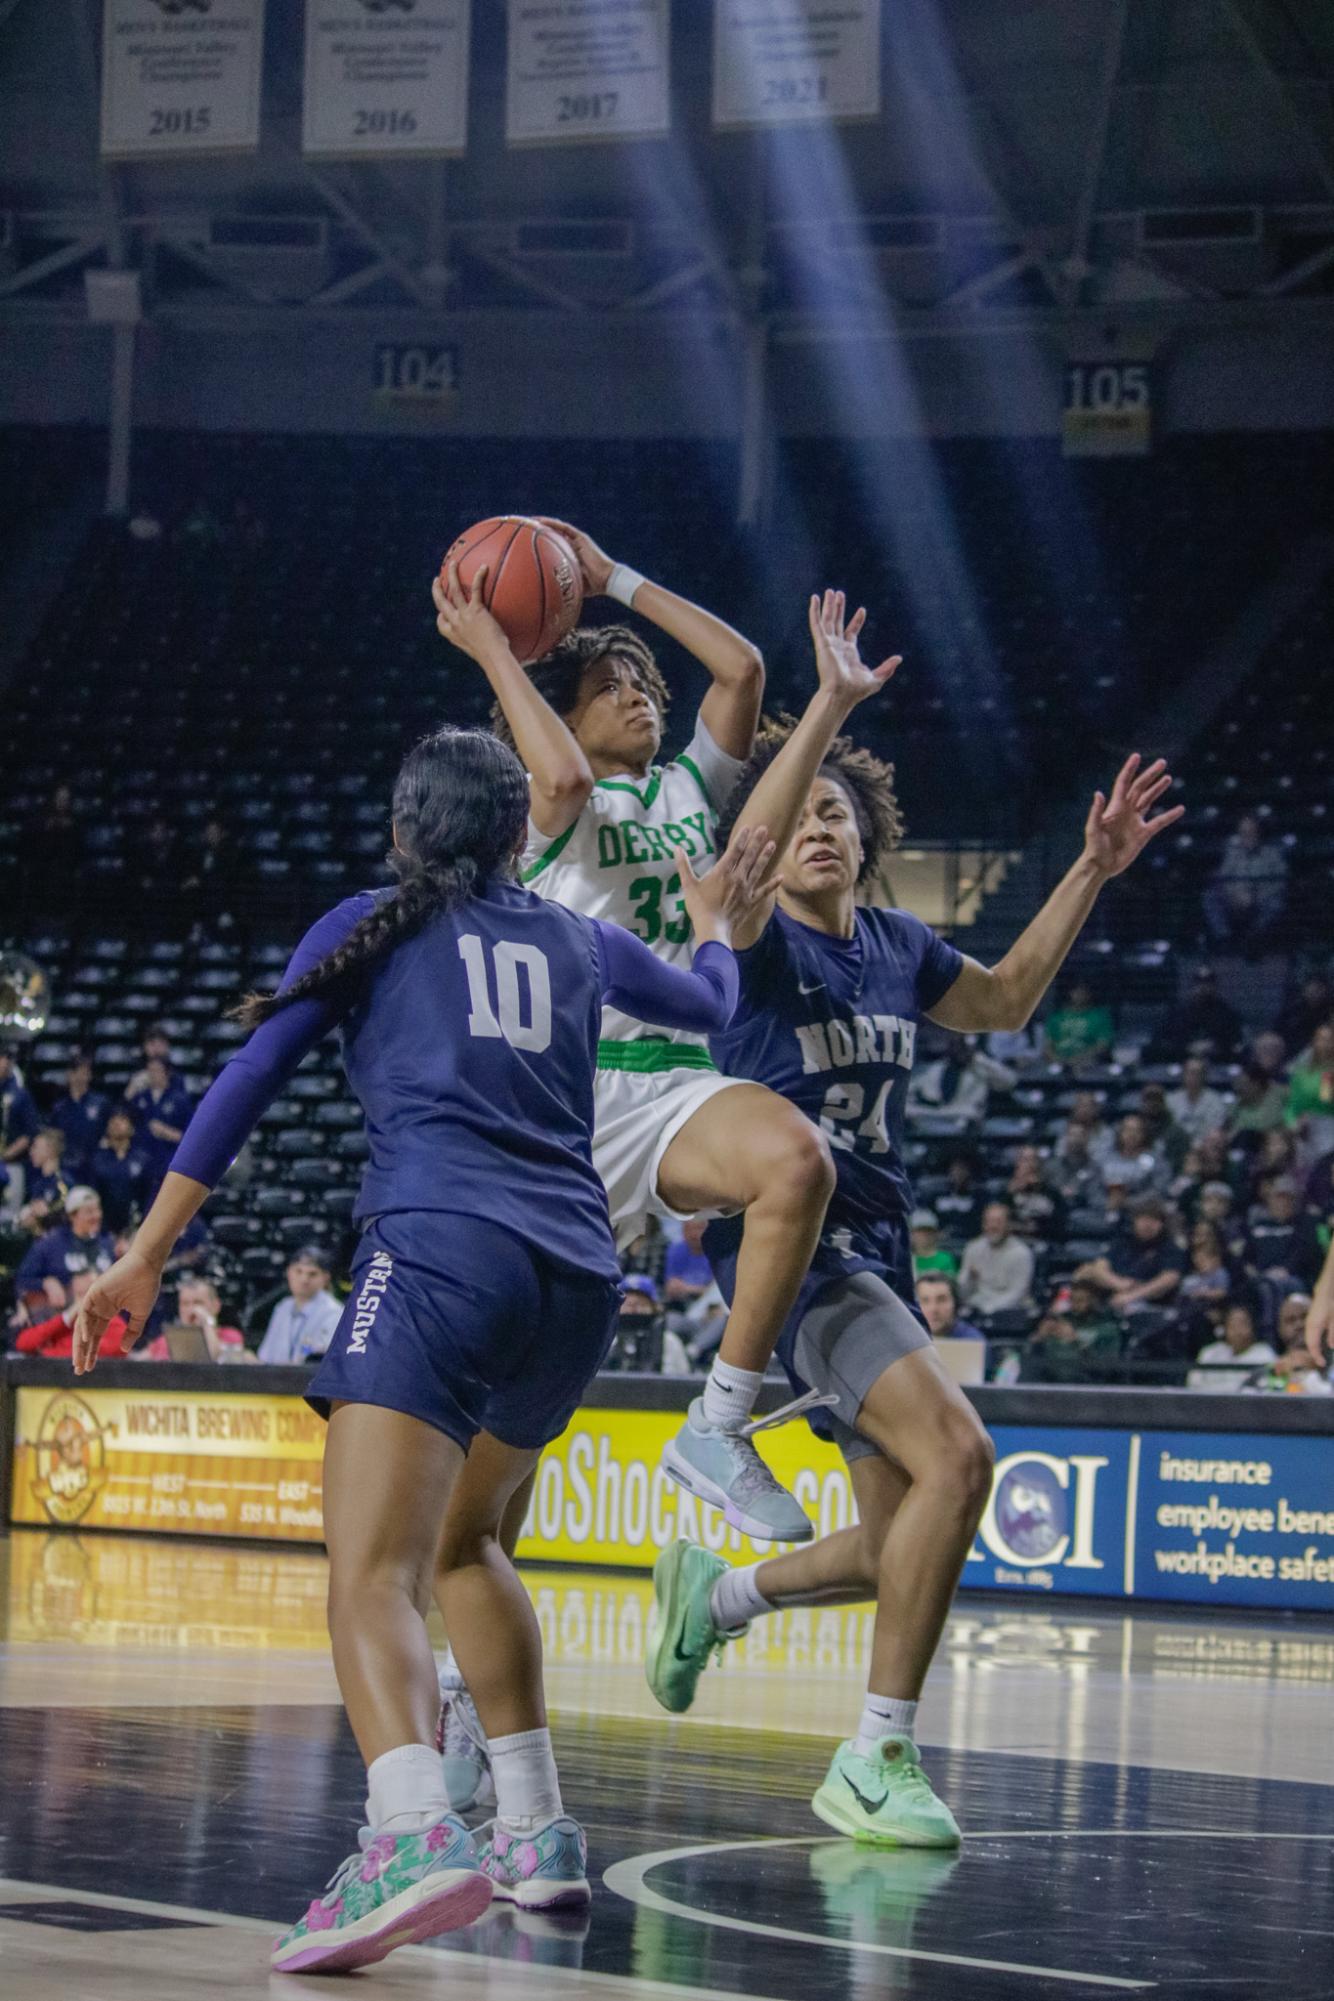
533	589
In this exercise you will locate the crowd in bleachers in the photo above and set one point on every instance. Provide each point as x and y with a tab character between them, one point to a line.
199	749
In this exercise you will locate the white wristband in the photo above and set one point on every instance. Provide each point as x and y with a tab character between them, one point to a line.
623	583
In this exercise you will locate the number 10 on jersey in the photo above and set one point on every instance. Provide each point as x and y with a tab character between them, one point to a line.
522	1010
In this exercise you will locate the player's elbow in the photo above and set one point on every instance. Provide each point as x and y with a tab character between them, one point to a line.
745	670
569	787
1010	1008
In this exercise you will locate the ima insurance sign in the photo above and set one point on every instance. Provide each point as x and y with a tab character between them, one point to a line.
1197	1517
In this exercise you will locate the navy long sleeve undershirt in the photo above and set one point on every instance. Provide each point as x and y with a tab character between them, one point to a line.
702	1001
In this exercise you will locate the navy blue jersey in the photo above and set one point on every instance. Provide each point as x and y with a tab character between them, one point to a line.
831	1023
471	1049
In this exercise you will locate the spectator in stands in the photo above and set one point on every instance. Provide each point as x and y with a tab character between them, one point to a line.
1296	1369
19	1124
648	1251
1086	1111
1017	1048
81	1113
47	1185
156	858
156	1045
1142	1269
1079	1031
211	870
54	846
1195	1107
53	1338
1073	1172
959	1204
938	1299
1132	1163
120	1173
302	1325
1282	1242
1036	1205
1076	1341
1216	1205
1310	1101
956	1086
1268	1052
198	1305
928	1253
1201	1024
1310	1005
1165	1137
1240	1345
1259	1104
161	1113
1208	1279
1318	1194
1246	896
78	1244
996	1275
687	1273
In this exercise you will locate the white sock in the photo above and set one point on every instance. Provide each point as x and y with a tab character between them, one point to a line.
729	1395
406	1790
736	1599
527	1790
883	1716
448	1670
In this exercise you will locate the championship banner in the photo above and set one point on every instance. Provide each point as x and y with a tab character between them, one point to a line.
788	62
587	69
386	79
183	1462
180	76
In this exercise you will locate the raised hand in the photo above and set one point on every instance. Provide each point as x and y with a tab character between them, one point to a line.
739	883
595	563
463	619
842	671
1119	828
130	1287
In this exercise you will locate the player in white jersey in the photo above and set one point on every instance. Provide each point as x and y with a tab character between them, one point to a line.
606	829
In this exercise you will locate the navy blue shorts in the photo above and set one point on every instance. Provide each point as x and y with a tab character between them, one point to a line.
467	1327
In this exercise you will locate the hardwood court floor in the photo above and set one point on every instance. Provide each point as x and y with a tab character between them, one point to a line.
1148	1803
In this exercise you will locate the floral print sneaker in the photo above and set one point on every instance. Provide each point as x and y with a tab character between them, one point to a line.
538	1871
398	1890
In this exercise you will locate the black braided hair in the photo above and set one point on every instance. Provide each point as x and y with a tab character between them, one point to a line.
867	780
558	675
460	815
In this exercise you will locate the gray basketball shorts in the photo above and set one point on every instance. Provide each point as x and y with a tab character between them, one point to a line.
855	1331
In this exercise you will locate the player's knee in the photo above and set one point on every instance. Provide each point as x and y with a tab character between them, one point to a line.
800	1170
972	1460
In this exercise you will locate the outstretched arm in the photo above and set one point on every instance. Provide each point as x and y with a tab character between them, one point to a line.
560	779
844	681
731	709
1117	830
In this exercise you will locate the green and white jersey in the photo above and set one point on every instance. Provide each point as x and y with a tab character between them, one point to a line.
616	862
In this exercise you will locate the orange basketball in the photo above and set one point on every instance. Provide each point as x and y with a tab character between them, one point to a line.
534	588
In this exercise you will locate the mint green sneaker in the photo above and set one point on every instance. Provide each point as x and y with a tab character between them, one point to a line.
724	1469
398	1890
683	1634
885	1799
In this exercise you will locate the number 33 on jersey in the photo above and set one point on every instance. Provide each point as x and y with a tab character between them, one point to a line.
617	861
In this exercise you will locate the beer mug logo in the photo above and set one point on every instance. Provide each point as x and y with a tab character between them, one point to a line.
71	1454
1031	1510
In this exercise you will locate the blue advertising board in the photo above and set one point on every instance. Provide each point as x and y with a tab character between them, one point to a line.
1222	1518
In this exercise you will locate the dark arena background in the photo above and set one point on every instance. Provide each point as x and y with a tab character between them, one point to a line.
1016	323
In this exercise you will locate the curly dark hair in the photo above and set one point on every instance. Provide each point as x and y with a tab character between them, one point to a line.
558	674
867	780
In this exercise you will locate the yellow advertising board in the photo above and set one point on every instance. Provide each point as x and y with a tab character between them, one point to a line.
188	1463
181	1462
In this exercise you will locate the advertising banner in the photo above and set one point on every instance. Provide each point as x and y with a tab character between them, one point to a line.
587	69
790	62
386	79
180	1462
180	76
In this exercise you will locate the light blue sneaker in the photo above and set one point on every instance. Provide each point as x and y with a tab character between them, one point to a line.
461	1742
538	1871
724	1469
